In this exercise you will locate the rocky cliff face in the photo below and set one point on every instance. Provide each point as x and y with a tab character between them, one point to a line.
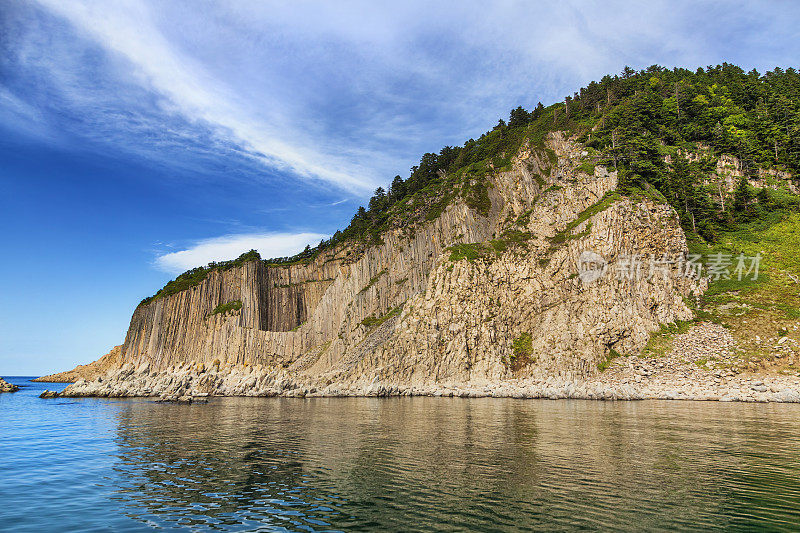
462	299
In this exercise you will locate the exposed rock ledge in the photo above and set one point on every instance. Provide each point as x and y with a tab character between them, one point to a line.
5	386
89	371
177	387
674	377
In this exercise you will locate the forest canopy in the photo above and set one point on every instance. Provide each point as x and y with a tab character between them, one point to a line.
636	121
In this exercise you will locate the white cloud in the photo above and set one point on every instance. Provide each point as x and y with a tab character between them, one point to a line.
353	92
128	29
231	246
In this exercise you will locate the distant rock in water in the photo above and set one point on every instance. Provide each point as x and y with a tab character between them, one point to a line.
89	371
5	386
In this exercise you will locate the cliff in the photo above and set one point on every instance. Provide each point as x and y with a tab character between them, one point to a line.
474	297
525	263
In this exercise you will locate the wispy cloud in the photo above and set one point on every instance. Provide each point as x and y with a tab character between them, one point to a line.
129	30
231	246
349	93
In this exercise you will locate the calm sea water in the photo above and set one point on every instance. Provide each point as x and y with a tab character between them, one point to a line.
404	464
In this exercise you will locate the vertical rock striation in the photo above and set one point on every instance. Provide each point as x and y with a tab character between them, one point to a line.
412	311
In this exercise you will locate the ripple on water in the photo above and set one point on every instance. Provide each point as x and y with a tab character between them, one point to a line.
424	464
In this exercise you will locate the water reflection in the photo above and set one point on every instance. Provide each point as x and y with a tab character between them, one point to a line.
445	464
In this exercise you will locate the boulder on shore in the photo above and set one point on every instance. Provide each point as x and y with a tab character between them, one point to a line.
5	386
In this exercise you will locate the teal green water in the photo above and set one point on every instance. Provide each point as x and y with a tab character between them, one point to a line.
403	464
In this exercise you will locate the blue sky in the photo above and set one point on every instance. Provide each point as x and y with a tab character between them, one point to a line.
141	138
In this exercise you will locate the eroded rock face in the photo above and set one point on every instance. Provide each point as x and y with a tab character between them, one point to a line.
410	315
463	327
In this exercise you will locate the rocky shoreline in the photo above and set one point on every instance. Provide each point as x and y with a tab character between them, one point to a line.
702	364
631	381
780	389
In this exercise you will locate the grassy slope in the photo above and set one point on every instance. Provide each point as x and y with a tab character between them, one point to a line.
757	313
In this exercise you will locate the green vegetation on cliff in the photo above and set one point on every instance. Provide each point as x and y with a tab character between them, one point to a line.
522	346
642	123
372	322
598	207
758	312
195	276
230	307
